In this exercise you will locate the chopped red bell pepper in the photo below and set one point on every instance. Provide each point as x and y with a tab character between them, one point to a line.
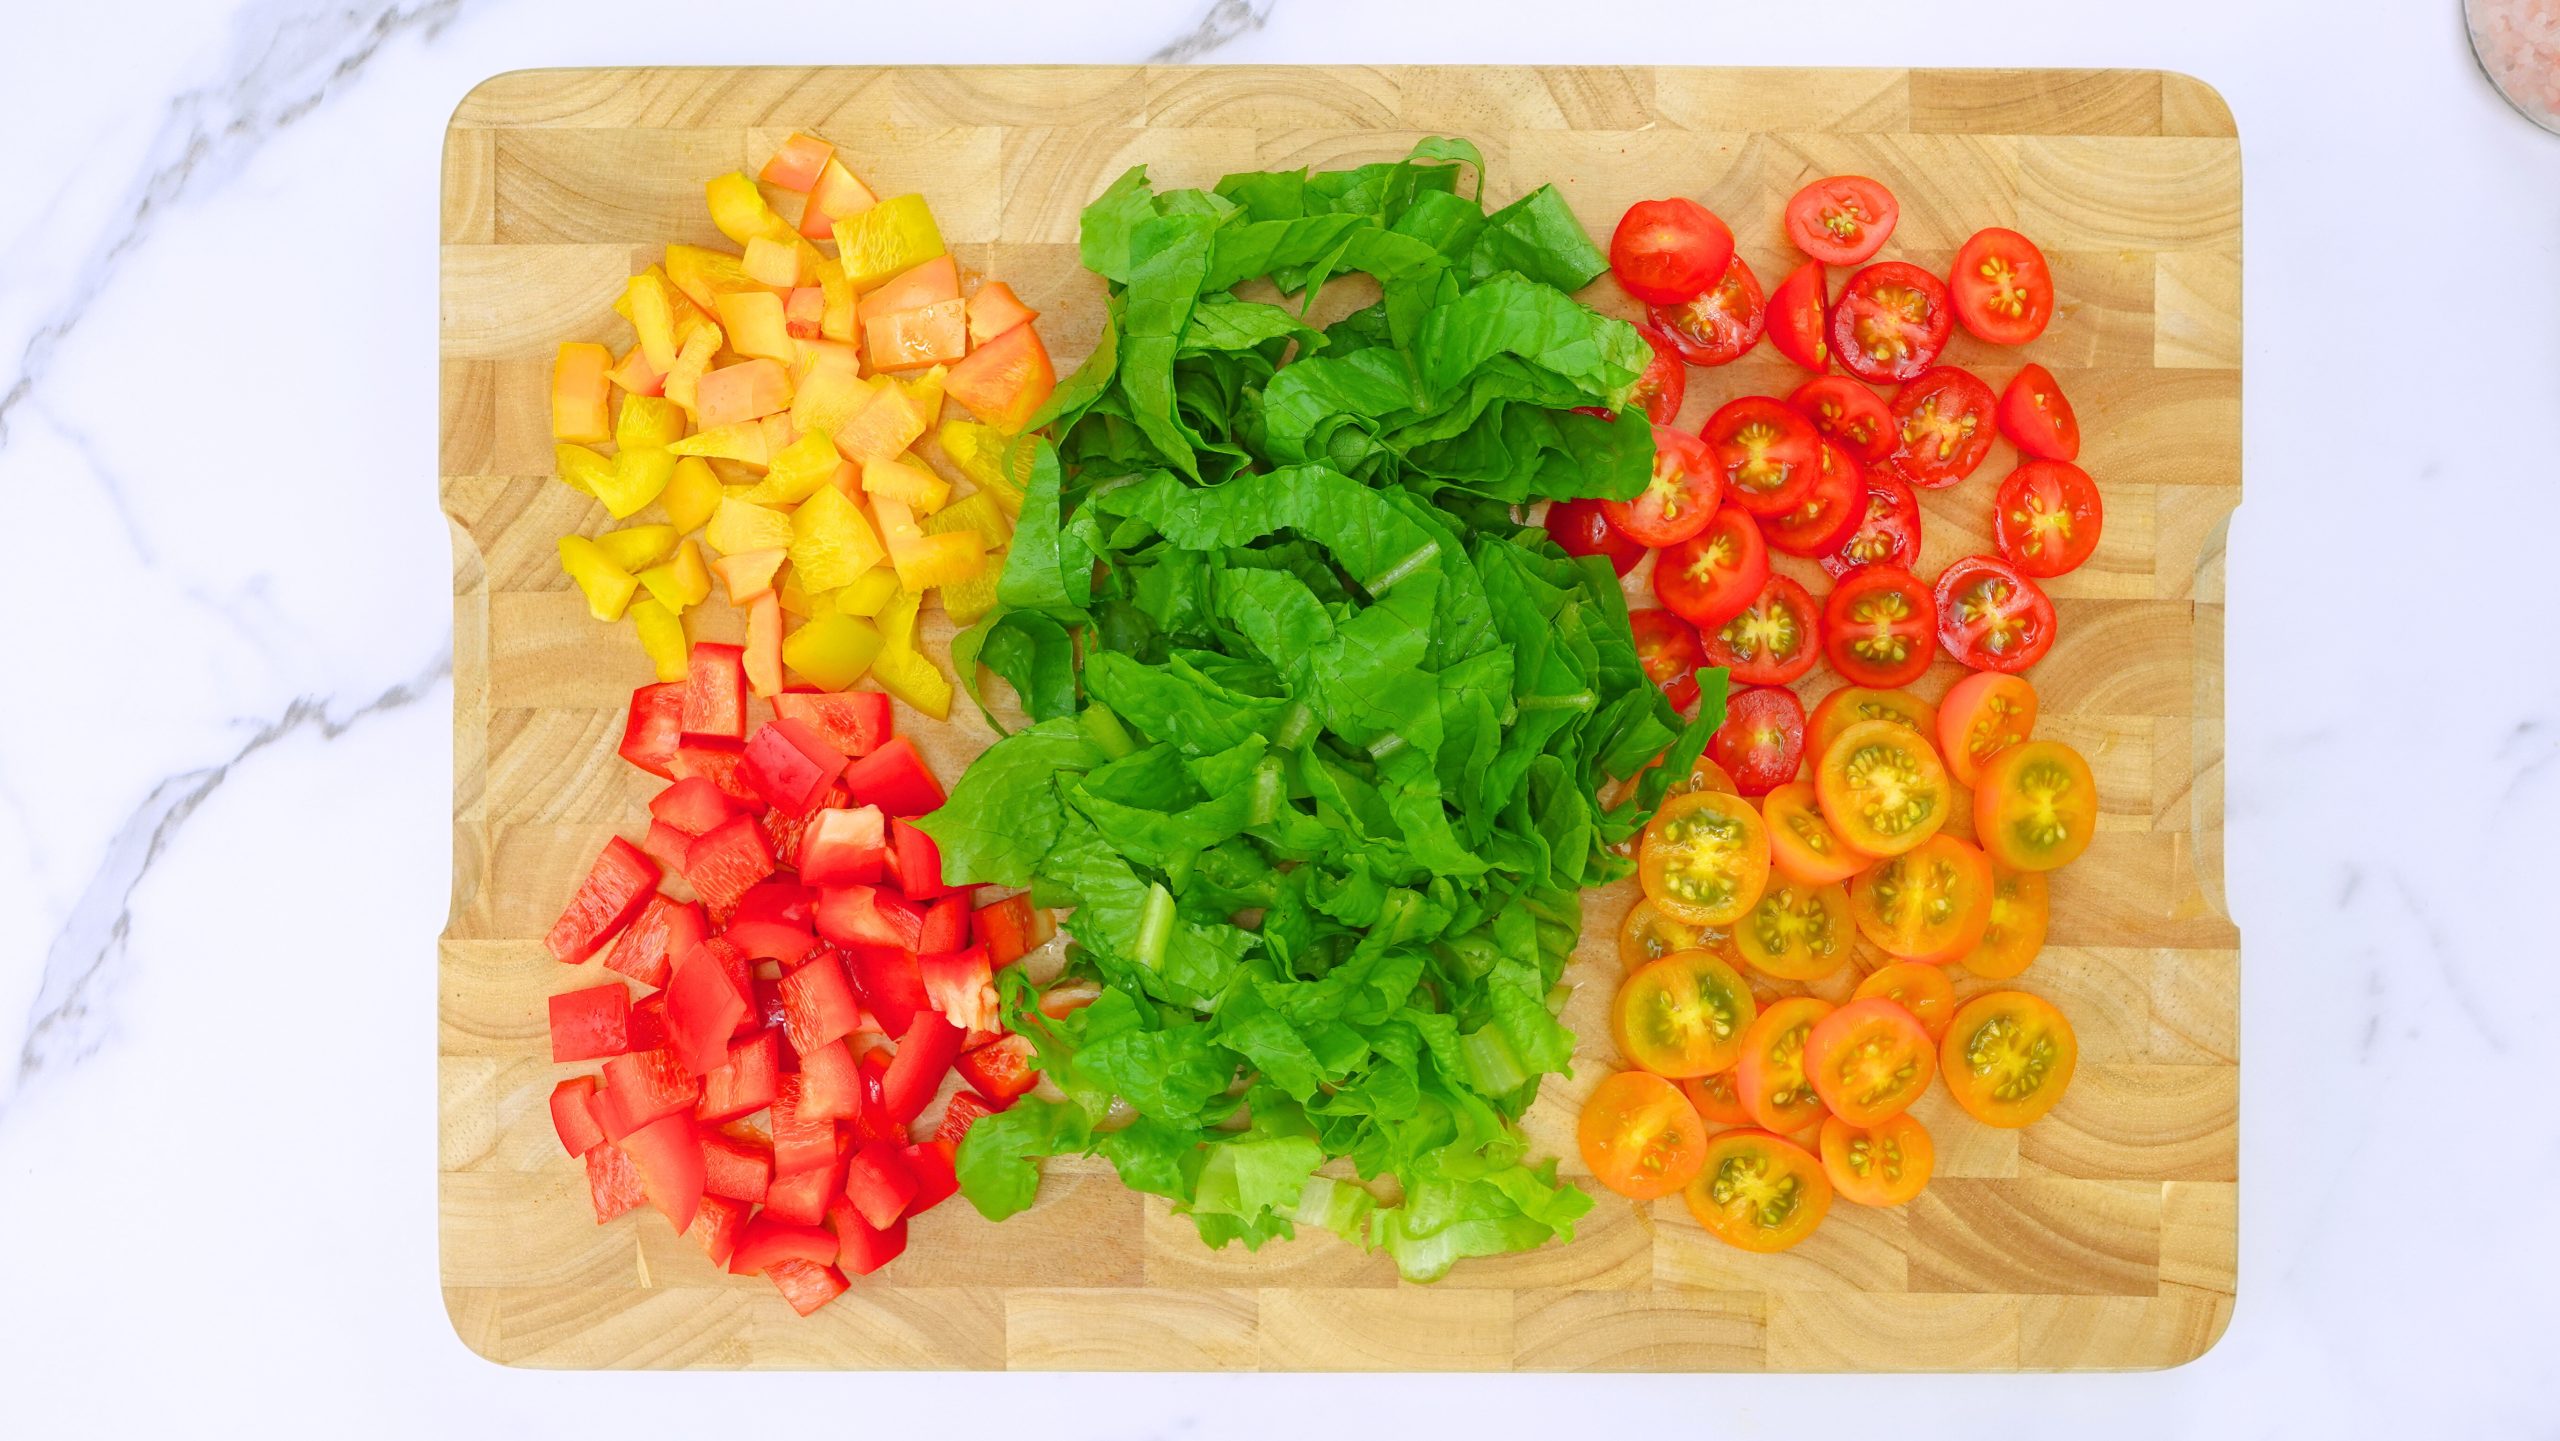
937	1175
879	1183
725	860
800	1142
805	1284
747	1082
869	916
722	762
959	1113
865	1248
591	1023
894	778
617	886
801	1197
1000	1070
788	778
946	925
668	1155
818	1004
889	983
649	1022
666	845
789	902
874	1123
717	1226
844	846
613	1186
919	861
692	805
665	930
715	691
855	722
766	1241
736	1167
705	1006
573	1115
830	1085
925	1053
1011	928
770	940
963	987
646	1085
655	727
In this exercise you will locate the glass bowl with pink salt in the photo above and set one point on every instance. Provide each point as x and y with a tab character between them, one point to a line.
2518	43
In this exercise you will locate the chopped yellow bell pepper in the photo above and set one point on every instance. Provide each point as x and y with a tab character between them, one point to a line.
995	462
704	275
608	586
977	511
910	485
897	622
579	393
889	237
898	528
739	526
744	441
680	583
764	647
692	495
637	547
800	470
582	469
778	264
692	359
925	389
739	210
652	316
883	429
913	679
756	324
839	319
869	594
832	651
829	395
968	599
796	599
831	541
648	422
939	559
748	574
662	636
638	477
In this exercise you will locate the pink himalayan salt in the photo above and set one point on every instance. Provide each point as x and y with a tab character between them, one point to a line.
2518	42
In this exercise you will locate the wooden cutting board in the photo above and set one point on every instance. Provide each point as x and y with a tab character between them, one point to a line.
2103	1237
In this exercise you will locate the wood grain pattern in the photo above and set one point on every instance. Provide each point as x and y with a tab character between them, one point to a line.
2104	1237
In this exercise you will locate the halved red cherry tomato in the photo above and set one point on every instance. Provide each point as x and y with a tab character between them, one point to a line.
1669	650
1758	1191
1882	787
1684	1015
1761	743
1885	1164
1830	514
1890	322
1665	382
1841	220
1803	847
2037	806
1942	427
1924	991
1992	618
1880	627
2037	418
1984	714
1640	1136
2002	289
1843	410
1580	527
1665	251
1770	1076
2047	517
1869	1060
1677	501
1705	858
1714	575
1720	323
2007	1057
1767	455
1800	317
2020	912
1797	932
1715	1099
1929	904
1649	935
1889	532
1775	639
1851	704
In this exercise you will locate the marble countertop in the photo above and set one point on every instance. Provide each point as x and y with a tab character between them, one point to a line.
223	741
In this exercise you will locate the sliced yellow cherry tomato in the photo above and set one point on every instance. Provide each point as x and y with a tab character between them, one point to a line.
1930	905
2015	931
1882	788
1802	845
1683	1015
2008	1057
2036	806
1797	932
1758	1191
1705	858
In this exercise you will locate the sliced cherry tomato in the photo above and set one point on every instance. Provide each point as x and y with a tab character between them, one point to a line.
2037	806
1869	1060
1669	650
1843	410
2047	517
1830	514
1761	743
2019	913
1851	704
1930	904
1880	627
1704	859
1797	932
1887	534
1665	251
2007	1057
1716	1100
1767	455
1580	527
1885	1164
1665	382
1680	498
1770	1076
2002	289
1720	324
1640	1136
1942	427
1890	322
1648	935
1802	845
1841	220
1714	575
1924	991
1758	1191
1992	618
1774	640
2037	418
1683	1015
1984	714
1800	317
1882	787
1706	775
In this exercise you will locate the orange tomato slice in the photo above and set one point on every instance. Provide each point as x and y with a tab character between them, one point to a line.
1770	1076
1882	787
2036	806
1802	845
1930	905
1705	858
1683	1015
1923	990
1869	1060
1640	1136
1797	932
1717	1102
1885	1164
1758	1191
2015	932
1984	714
2008	1057
1649	935
1851	704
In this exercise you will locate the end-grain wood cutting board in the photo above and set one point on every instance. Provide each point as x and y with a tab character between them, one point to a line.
2102	1237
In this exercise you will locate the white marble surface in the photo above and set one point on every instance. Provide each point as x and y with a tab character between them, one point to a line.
224	747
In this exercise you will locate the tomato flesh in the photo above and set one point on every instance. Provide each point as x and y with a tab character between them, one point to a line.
1717	325
1581	527
1885	1164
1716	1100
2047	517
2008	1057
1665	382
2037	806
1704	859
1984	714
1761	743
1803	847
1880	627
2015	933
1797	932
1799	321
1888	532
1665	251
1843	410
1924	991
1679	498
2001	287
1851	704
1841	220
1830	514
1647	934
1869	1060
1992	618
1640	1136
1774	640
1682	1015
1669	650
1928	904
1758	1191
1767	455
1770	1076
1943	426
1890	322
1882	787
2037	417
1714	575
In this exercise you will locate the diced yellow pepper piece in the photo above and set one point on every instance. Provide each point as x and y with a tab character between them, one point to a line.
796	599
839	319
661	635
739	526
756	324
704	275
925	389
652	314
969	599
637	547
748	574
995	462
682	582
939	559
829	395
800	470
898	527
692	359
883	429
744	441
869	594
913	679
832	651
777	263
692	495
648	422
831	542
889	237
739	210
580	392
608	586
977	511
764	647
638	477
897	621
582	469
910	485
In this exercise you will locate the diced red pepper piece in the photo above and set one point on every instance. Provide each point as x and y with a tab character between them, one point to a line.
723	763
784	774
736	1168
649	1022
894	778
879	1183
806	1285
767	996
874	1123
946	925
889	983
716	1226
962	985
813	743
664	930
865	1248
1000	1070
800	1142
959	1113
589	1024
715	691
705	1006
616	887
844	846
801	1198
1011	928
573	1115
868	916
666	845
789	902
692	805
937	1176
668	1156
747	1082
654	727
818	1004
830	1086
613	1186
1005	381
925	1053
725	861
648	1084
919	861
855	722
770	940
766	1241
